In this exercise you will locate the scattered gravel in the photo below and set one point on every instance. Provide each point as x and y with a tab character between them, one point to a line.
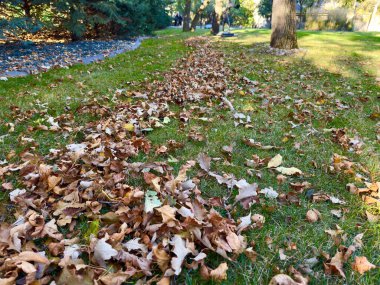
23	59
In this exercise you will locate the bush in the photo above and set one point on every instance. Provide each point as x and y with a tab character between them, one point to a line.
83	18
334	19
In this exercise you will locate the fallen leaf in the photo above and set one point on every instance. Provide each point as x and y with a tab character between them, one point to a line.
103	251
219	273
313	215
180	250
275	161
151	201
361	264
269	193
283	279
289	171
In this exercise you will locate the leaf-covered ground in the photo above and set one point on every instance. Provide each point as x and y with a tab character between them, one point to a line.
207	161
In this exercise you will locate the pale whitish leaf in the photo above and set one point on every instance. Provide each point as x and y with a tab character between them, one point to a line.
134	244
72	251
15	193
335	200
289	170
275	161
180	250
200	256
269	193
103	251
151	201
77	148
244	223
246	190
281	253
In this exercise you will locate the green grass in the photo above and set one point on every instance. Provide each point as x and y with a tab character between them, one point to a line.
333	63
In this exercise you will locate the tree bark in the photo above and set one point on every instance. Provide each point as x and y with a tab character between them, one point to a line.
216	17
198	14
186	16
284	24
373	15
26	7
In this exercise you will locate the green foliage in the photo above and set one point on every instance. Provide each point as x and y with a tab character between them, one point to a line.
92	230
83	18
265	8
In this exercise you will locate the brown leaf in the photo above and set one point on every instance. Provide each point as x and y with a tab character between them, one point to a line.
219	273
361	264
162	257
31	256
334	266
275	161
313	215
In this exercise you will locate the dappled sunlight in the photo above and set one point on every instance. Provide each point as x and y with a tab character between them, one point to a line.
333	51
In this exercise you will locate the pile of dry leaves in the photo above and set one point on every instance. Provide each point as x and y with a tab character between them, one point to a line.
148	233
162	226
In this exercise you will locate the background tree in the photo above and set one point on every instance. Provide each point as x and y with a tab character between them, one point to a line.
198	14
218	11
284	24
186	16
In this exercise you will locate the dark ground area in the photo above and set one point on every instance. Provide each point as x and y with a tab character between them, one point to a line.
30	58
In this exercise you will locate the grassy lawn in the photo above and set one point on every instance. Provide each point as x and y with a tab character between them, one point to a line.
296	103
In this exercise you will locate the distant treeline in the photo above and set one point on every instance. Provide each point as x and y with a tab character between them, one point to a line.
80	19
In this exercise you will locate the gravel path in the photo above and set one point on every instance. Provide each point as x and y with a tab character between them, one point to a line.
21	60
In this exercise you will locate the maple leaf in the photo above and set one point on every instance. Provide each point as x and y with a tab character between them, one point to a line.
361	264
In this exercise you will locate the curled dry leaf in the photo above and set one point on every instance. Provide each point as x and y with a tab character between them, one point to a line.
251	254
283	279
219	273
313	215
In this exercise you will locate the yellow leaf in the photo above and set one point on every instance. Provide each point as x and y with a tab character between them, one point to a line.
129	127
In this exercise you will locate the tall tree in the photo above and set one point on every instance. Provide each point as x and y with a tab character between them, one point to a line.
218	11
198	13
284	24
186	16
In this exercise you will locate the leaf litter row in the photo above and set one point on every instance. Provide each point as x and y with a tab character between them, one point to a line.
148	232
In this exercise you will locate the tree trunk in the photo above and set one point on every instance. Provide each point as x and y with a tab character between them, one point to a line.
373	15
186	16
198	14
216	17
26	7
284	24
